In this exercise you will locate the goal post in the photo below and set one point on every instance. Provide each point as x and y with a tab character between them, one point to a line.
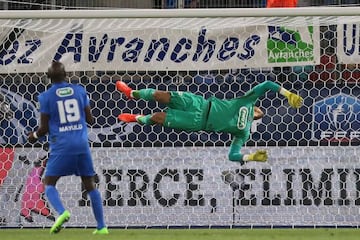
150	176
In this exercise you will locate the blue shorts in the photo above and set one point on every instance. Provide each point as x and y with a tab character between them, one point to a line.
70	164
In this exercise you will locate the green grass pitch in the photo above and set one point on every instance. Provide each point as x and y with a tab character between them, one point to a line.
185	234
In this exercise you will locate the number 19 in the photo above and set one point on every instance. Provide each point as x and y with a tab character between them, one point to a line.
68	110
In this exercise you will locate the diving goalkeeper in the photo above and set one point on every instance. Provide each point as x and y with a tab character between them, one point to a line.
190	112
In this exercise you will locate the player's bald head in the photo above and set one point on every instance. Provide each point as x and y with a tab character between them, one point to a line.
56	72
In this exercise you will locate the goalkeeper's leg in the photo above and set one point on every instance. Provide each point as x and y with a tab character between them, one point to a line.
148	94
172	118
156	118
179	100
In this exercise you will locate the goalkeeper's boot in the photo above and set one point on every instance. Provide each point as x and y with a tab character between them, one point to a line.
124	88
259	156
102	231
128	117
63	218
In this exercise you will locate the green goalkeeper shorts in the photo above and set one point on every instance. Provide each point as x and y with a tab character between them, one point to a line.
187	111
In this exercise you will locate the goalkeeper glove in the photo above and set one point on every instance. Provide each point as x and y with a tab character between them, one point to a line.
295	100
259	156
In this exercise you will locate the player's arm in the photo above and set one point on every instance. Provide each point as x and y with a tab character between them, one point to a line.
259	90
44	121
236	155
235	150
42	130
89	116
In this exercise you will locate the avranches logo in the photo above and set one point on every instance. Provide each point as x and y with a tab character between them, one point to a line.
290	45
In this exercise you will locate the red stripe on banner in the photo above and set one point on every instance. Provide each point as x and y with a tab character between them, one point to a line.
6	161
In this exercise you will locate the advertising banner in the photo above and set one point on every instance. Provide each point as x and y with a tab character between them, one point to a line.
312	186
158	45
348	51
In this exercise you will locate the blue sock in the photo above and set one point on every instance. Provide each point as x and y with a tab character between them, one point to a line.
97	207
53	197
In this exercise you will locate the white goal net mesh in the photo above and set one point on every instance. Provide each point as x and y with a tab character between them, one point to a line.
150	176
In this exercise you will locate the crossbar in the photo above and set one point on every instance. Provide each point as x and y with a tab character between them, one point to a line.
180	13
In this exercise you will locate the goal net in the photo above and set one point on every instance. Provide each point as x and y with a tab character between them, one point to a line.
150	176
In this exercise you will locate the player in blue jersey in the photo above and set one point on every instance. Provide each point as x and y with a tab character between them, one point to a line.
64	112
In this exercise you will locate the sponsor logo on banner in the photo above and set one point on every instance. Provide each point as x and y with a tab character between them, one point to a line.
184	48
286	45
336	118
348	43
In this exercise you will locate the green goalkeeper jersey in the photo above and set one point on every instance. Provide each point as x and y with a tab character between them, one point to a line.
236	115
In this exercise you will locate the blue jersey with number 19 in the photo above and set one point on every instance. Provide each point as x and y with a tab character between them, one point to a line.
65	104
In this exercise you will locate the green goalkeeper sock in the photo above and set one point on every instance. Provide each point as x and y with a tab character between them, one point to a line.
146	120
146	94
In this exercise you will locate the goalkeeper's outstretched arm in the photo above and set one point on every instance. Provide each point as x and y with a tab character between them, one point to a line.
235	147
235	154
259	90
